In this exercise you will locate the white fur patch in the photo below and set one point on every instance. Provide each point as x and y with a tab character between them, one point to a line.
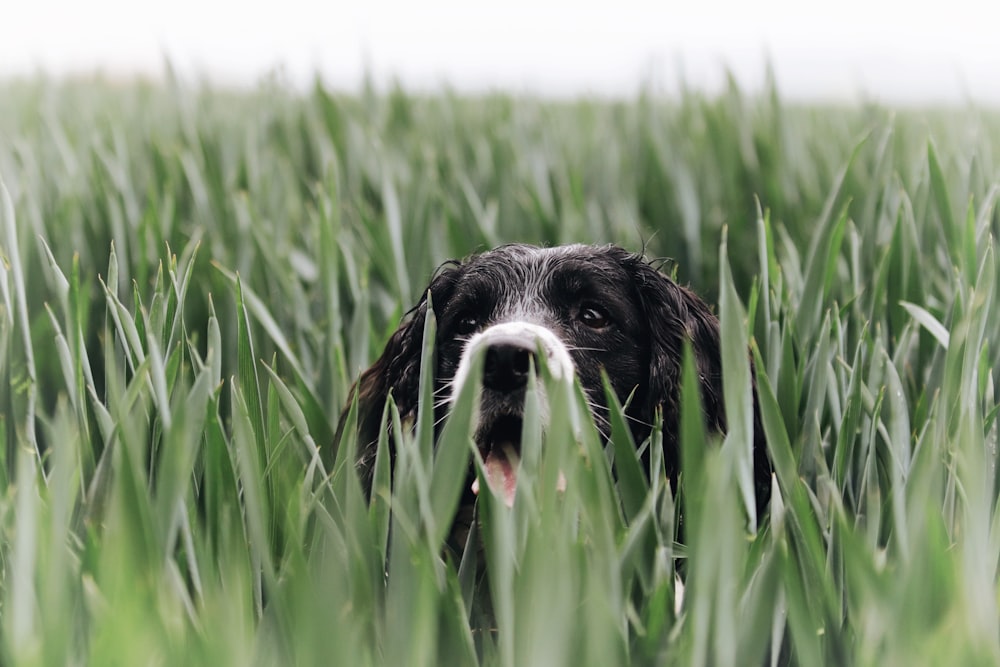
501	468
521	334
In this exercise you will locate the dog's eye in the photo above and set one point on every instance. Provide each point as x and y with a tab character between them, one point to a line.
594	316
466	324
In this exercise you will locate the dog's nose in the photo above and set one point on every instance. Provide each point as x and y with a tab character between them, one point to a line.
507	366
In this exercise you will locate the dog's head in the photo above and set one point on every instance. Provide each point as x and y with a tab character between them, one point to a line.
588	309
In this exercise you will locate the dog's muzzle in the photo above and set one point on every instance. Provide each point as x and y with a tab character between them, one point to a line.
510	349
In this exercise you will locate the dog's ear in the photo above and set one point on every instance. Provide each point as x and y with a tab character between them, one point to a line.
675	314
397	371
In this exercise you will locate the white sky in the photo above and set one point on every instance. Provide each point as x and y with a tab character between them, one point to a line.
888	50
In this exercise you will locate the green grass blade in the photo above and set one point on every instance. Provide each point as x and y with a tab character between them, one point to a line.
737	389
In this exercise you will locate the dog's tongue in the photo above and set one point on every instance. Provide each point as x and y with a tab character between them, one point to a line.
501	473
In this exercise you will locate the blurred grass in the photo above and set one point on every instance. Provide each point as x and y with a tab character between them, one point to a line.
193	277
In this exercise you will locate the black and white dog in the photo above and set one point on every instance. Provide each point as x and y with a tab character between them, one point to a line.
588	308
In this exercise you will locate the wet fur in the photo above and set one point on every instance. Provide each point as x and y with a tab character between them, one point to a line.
642	353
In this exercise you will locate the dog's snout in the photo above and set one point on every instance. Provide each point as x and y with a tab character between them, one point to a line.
508	350
507	366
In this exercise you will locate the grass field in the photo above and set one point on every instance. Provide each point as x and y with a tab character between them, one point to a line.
191	279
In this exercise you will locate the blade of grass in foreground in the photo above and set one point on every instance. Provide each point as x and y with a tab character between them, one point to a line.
20	353
737	388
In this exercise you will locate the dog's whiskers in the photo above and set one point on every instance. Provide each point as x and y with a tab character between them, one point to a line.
576	348
446	385
442	403
596	409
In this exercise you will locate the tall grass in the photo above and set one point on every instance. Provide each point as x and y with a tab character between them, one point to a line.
192	278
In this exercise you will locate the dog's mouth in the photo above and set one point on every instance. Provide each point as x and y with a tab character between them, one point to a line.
500	447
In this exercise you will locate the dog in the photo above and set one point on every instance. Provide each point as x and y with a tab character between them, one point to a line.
587	309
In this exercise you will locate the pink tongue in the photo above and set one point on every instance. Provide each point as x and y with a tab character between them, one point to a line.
501	475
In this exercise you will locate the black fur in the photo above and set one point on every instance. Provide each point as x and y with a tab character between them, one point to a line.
648	318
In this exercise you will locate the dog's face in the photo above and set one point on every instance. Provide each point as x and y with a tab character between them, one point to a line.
588	309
